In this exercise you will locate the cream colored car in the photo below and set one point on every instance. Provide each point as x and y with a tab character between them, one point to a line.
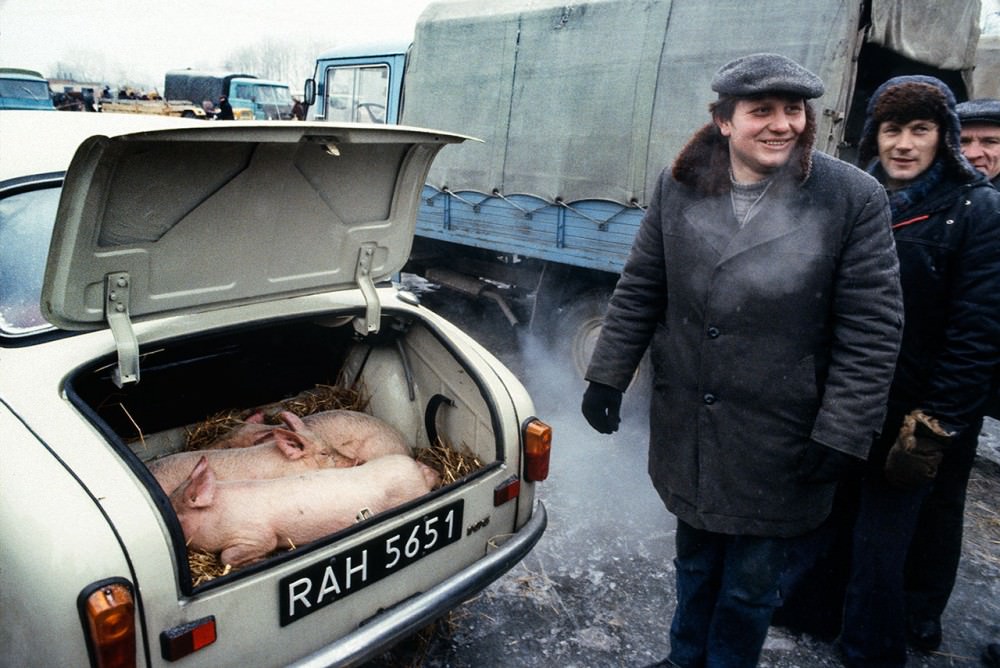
177	270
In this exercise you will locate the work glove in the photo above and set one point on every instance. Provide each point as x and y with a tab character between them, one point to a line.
914	458
822	464
601	404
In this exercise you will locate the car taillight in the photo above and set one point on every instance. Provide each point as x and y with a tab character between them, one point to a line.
506	491
537	447
188	638
107	609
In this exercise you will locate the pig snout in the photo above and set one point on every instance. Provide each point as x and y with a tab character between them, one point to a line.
431	477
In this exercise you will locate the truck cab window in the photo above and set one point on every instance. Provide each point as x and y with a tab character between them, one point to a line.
357	94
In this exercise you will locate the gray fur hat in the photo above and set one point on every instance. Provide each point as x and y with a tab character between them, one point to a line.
983	110
763	73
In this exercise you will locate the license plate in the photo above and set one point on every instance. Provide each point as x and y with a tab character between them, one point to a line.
328	581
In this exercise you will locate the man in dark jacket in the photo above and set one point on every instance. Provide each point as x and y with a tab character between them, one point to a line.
764	282
946	223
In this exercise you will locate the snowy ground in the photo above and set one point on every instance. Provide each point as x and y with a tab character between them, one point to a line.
598	589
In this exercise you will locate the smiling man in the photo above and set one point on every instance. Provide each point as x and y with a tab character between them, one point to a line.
764	282
981	136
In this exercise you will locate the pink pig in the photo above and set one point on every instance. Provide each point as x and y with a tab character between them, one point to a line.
280	457
247	519
355	436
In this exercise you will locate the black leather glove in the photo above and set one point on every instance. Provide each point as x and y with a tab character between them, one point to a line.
601	404
822	464
914	458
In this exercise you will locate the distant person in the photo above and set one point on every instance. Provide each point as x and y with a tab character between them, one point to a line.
764	283
211	113
907	532
225	109
981	136
298	110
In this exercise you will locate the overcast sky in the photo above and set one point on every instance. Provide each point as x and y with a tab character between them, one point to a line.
139	40
145	38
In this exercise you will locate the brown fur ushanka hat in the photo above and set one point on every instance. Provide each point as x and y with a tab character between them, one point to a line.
908	98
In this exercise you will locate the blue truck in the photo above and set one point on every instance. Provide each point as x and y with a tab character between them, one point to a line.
580	106
24	89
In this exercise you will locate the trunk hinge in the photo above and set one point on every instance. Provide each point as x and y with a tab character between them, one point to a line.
362	275
117	290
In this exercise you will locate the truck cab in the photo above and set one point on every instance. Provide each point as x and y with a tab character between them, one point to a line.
360	83
251	97
24	89
265	100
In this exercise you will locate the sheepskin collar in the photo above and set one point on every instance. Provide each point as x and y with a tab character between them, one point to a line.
703	163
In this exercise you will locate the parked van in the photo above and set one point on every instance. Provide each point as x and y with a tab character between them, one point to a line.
252	98
24	89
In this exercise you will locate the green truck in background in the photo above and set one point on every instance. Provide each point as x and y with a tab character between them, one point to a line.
252	98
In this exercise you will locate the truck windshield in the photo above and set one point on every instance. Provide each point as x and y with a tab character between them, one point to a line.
357	94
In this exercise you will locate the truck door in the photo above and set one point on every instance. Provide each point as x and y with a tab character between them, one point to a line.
360	92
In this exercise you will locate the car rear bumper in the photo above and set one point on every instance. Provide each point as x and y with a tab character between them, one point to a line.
411	615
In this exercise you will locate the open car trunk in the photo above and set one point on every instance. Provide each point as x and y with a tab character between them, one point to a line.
406	374
246	267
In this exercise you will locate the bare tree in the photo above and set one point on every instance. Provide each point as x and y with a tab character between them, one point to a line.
280	60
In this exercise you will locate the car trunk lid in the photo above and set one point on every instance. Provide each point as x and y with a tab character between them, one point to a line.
167	222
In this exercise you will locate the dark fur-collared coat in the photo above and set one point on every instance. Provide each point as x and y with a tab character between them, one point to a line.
785	331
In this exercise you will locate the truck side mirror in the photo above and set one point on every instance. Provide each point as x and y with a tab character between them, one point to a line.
309	92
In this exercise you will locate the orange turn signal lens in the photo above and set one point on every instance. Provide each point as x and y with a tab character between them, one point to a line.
108	611
537	448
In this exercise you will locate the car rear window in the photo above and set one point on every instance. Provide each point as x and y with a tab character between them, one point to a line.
26	221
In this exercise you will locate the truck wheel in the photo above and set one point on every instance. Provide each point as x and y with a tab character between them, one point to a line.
578	326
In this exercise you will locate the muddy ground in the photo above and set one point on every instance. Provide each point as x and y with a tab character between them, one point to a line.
598	589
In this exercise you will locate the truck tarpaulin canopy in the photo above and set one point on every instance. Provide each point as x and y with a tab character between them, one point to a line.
591	100
943	34
197	86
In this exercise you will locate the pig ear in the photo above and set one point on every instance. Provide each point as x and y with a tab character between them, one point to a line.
200	491
293	421
291	444
262	436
